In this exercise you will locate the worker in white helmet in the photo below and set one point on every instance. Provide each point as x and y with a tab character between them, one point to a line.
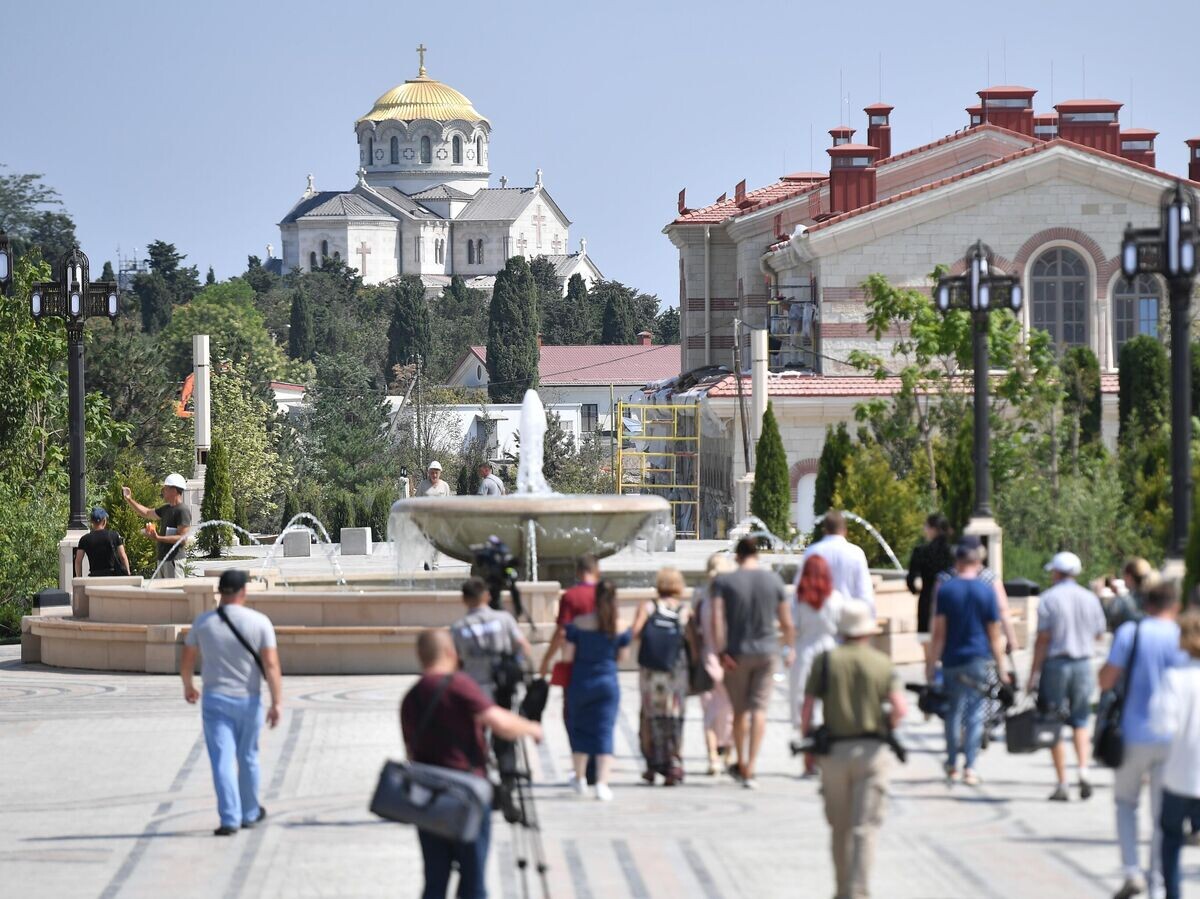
174	518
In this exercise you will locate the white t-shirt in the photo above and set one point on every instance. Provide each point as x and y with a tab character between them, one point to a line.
225	664
1175	712
847	566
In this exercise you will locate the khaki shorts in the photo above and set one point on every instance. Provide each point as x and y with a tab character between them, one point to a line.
749	685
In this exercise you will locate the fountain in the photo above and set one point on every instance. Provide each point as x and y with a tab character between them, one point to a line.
547	531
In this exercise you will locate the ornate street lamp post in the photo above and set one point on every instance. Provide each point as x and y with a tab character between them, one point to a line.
5	264
74	298
980	290
1170	250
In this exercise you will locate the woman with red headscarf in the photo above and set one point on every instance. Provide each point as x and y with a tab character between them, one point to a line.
815	611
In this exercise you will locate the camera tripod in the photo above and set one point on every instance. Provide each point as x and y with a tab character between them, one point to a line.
517	806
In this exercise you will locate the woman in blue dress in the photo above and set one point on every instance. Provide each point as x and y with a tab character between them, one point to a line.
594	693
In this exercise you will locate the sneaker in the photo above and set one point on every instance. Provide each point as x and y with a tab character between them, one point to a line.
577	786
970	778
750	783
734	771
1133	886
604	792
262	813
1060	794
224	831
951	774
1085	789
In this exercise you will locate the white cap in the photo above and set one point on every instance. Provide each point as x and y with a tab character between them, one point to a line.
435	466
175	480
1065	563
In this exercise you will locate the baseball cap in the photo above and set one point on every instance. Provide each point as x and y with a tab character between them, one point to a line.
435	465
968	545
99	514
232	580
174	479
1065	563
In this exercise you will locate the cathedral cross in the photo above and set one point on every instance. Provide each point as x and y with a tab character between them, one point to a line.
522	245
363	252
538	221
421	55
556	245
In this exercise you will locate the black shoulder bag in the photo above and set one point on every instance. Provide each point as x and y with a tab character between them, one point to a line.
224	616
820	739
446	802
1109	740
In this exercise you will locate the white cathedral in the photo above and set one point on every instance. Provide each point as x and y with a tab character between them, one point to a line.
422	204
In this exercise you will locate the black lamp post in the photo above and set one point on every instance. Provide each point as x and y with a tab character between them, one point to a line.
1170	250
74	298
5	263
980	290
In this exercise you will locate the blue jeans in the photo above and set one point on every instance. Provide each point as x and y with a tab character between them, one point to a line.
1175	810
231	725
964	717
439	853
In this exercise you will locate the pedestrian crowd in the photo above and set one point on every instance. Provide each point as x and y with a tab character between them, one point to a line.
723	643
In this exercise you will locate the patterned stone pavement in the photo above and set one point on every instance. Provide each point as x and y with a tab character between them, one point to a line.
106	792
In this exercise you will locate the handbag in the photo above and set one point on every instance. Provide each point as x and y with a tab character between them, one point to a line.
699	680
1108	741
819	738
1030	729
445	802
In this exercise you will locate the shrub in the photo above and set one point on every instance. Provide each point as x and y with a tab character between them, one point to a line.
380	512
217	503
770	498
121	518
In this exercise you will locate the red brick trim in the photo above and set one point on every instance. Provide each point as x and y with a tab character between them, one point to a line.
1050	235
858	330
799	470
846	294
716	304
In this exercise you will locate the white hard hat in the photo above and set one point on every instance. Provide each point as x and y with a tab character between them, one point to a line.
175	480
1065	563
435	465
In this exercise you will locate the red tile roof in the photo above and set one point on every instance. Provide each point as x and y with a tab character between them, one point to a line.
639	365
812	385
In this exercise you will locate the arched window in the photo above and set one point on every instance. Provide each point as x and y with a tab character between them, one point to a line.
395	157
370	151
1059	281
456	150
324	249
312	262
470	252
479	251
479	150
426	151
1135	309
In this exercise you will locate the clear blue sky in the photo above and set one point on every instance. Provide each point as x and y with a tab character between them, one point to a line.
196	123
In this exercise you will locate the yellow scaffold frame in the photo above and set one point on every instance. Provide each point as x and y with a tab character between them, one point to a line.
645	478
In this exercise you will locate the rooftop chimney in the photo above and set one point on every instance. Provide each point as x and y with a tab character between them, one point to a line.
1092	123
842	134
975	115
851	176
645	338
739	192
1137	144
879	128
683	201
1008	106
1045	125
1194	159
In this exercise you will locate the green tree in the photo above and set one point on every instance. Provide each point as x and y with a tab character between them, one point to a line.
31	524
770	498
345	432
301	339
512	350
1081	399
1144	397
893	505
107	273
182	280
380	512
569	320
409	332
832	466
210	278
218	501
30	212
342	513
666	326
291	506
258	277
1191	555
226	312
619	325
131	473
461	322
243	421
955	453
154	300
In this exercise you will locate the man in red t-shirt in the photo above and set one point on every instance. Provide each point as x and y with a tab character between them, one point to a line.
453	738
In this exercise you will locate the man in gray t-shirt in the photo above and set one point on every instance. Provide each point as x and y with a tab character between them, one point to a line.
489	484
485	634
236	646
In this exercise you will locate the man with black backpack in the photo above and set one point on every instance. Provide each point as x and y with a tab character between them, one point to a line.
237	648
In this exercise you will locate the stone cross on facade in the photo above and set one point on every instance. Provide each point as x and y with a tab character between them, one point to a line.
538	221
522	244
363	252
421	56
556	245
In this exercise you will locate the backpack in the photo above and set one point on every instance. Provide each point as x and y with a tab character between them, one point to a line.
662	640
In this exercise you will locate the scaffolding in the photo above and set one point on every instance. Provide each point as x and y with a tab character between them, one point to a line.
658	453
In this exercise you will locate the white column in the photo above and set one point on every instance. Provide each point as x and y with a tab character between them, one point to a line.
200	401
758	379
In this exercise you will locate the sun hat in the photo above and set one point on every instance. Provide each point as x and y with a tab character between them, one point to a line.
174	479
1065	563
857	619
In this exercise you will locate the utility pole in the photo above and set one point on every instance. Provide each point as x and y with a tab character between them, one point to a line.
737	373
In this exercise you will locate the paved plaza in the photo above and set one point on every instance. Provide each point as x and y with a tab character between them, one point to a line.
107	793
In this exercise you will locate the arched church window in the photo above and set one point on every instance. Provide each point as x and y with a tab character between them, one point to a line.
479	251
457	150
426	151
370	151
1136	308
395	157
479	150
470	252
324	249
1059	282
312	262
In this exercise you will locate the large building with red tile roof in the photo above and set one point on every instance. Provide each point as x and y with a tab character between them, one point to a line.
1050	193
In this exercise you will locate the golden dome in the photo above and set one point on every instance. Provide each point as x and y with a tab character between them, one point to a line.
422	98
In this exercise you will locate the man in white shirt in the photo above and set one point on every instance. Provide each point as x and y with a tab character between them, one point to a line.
847	561
434	485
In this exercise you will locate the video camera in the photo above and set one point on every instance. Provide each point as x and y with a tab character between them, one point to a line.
495	563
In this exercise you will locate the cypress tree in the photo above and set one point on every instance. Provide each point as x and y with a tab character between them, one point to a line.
512	350
343	513
211	277
1142	378
409	332
218	501
770	498
107	274
1081	378
831	467
381	511
619	325
291	505
302	342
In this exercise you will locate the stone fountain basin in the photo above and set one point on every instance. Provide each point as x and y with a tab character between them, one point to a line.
566	525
